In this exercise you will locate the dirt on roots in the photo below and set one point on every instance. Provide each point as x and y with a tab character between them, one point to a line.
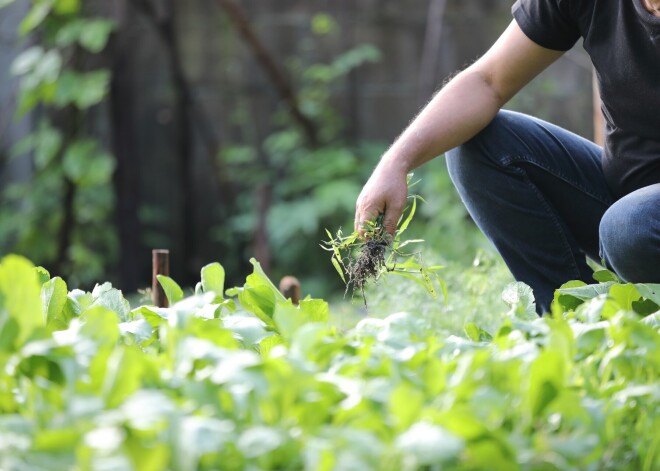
367	264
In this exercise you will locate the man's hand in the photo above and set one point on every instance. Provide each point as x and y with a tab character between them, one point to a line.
384	193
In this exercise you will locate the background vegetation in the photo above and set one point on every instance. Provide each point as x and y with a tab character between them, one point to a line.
222	131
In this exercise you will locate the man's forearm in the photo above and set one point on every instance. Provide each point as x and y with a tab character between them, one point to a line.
459	111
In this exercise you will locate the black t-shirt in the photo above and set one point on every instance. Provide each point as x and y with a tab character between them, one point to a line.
623	41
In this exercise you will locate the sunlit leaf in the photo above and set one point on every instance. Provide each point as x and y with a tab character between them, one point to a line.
37	14
338	267
20	295
172	290
404	225
54	295
429	444
213	279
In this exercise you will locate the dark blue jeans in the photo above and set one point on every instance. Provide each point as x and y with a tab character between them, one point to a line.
538	193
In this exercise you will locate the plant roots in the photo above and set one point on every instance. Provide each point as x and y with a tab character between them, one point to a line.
367	265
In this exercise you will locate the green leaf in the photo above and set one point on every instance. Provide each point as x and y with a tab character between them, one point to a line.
67	7
649	291
585	292
154	316
338	267
48	142
101	325
259	295
20	295
472	331
422	282
53	299
604	276
213	279
123	375
82	89
408	242
652	320
411	214
520	299
201	436
172	290
91	34
248	329
35	16
69	33
141	330
546	380
288	319
42	275
56	441
86	164
94	36
9	330
268	343
106	296
27	61
93	89
315	310
405	405
429	444
624	295
258	441
323	24
645	307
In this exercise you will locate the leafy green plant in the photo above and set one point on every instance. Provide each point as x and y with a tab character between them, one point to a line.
70	186
359	258
243	379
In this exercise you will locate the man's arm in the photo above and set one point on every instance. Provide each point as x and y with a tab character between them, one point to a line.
458	112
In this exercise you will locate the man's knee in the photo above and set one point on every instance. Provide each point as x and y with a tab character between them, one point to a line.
629	240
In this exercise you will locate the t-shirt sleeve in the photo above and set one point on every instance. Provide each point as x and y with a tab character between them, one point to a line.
548	23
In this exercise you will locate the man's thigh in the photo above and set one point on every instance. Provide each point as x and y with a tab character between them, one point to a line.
565	168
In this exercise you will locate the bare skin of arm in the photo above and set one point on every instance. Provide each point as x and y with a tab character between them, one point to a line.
458	112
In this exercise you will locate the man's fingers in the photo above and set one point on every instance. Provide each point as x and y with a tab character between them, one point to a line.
390	220
384	194
362	216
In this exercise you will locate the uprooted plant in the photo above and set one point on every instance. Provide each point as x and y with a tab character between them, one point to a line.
362	258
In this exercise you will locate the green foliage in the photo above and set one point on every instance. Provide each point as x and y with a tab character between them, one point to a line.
70	187
172	289
258	383
311	186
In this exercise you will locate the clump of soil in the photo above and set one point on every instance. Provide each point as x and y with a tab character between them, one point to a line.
367	265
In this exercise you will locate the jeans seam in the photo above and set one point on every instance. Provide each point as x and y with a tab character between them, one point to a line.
555	221
506	161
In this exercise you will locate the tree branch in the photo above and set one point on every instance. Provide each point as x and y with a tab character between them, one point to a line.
276	76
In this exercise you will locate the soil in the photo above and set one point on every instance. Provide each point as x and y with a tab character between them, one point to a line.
367	264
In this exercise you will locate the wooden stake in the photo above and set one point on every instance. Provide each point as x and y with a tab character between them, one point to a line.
160	263
290	288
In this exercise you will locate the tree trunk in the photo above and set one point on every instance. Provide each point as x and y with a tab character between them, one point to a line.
273	71
127	173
